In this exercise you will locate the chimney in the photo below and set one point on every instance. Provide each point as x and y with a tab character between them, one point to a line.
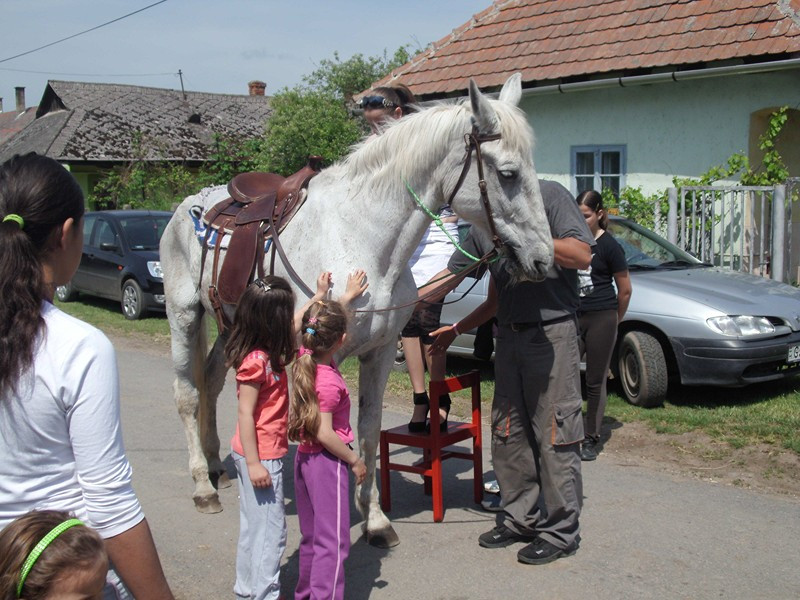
257	88
20	98
1	105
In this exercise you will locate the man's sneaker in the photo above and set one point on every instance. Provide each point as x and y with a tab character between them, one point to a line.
501	536
588	450
492	486
541	552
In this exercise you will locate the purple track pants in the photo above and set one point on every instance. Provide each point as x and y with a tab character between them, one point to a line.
322	484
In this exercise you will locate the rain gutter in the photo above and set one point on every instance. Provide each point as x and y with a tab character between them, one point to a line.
634	80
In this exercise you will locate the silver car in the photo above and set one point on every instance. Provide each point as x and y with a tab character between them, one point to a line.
688	322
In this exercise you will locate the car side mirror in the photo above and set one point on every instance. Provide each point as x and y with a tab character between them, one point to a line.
109	247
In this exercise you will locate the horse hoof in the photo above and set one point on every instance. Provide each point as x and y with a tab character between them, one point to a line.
207	504
383	538
220	481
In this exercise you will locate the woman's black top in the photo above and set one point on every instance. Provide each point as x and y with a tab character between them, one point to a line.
607	258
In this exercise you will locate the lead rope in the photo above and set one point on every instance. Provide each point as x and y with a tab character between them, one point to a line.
436	219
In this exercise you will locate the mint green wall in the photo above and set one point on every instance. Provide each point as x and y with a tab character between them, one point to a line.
676	128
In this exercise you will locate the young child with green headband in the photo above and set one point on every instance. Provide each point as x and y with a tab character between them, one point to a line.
50	554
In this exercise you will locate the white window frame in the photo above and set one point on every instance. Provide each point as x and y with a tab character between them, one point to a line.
597	150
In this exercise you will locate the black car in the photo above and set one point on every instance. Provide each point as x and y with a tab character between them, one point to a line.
120	260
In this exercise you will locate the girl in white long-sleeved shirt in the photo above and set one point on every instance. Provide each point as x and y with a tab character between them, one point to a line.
60	435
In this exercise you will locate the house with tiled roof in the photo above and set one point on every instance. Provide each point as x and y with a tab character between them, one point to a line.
630	92
90	127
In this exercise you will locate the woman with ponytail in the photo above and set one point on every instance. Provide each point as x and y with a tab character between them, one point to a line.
320	421
605	291
59	387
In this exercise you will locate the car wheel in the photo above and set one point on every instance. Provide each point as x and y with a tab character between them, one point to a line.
400	358
132	300
66	293
642	369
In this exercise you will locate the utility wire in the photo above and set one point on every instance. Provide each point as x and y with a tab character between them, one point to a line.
89	74
82	32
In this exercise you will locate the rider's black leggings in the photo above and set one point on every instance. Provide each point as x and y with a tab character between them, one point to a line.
598	332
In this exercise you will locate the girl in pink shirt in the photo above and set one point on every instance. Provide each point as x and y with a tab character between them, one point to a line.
320	421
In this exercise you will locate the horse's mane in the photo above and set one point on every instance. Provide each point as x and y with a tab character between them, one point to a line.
413	143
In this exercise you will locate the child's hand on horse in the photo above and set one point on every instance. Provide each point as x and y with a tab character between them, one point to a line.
323	284
356	285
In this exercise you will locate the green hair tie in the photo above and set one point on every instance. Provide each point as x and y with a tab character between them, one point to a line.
44	543
16	218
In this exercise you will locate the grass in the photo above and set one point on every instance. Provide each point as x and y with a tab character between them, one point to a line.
766	413
107	316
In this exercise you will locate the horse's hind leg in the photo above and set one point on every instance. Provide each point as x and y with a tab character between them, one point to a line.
373	374
215	380
189	357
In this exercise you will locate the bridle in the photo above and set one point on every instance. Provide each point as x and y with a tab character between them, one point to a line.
473	141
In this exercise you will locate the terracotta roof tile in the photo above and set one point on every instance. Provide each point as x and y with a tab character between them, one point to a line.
551	39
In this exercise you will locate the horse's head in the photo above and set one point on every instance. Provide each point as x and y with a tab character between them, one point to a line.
512	186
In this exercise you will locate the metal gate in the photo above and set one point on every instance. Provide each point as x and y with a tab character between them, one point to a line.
744	228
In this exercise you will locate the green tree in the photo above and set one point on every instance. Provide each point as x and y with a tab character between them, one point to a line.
303	123
343	79
315	117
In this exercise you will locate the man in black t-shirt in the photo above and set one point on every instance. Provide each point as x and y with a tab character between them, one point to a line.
536	411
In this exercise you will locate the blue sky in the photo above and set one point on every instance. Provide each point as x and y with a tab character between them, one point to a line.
219	45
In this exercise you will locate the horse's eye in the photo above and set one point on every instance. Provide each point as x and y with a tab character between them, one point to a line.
508	175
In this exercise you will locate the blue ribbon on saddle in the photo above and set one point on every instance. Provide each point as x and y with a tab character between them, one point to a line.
196	212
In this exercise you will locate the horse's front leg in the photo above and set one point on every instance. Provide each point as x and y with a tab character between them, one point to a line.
372	377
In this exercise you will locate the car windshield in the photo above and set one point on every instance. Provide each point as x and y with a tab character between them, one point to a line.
646	250
144	233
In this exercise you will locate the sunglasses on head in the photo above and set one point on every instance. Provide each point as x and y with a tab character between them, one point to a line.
375	102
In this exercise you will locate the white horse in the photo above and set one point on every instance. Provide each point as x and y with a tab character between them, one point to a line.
360	214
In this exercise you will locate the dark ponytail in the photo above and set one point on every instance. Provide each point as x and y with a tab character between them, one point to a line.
594	201
43	195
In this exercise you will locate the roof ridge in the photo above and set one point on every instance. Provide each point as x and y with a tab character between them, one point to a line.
785	7
126	86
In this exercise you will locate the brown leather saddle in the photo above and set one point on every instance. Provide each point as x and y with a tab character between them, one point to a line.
259	208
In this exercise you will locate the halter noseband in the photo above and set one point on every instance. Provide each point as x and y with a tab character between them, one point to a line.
473	141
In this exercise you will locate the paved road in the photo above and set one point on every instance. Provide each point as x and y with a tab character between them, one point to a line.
645	534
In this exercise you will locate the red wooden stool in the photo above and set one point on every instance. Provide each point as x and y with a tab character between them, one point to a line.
434	445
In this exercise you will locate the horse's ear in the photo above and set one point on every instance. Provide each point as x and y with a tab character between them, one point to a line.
512	90
483	113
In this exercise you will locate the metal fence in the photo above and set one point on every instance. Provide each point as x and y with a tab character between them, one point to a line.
744	228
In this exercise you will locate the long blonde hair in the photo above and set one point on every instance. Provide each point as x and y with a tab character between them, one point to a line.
324	324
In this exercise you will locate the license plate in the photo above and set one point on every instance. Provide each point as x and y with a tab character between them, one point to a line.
793	355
